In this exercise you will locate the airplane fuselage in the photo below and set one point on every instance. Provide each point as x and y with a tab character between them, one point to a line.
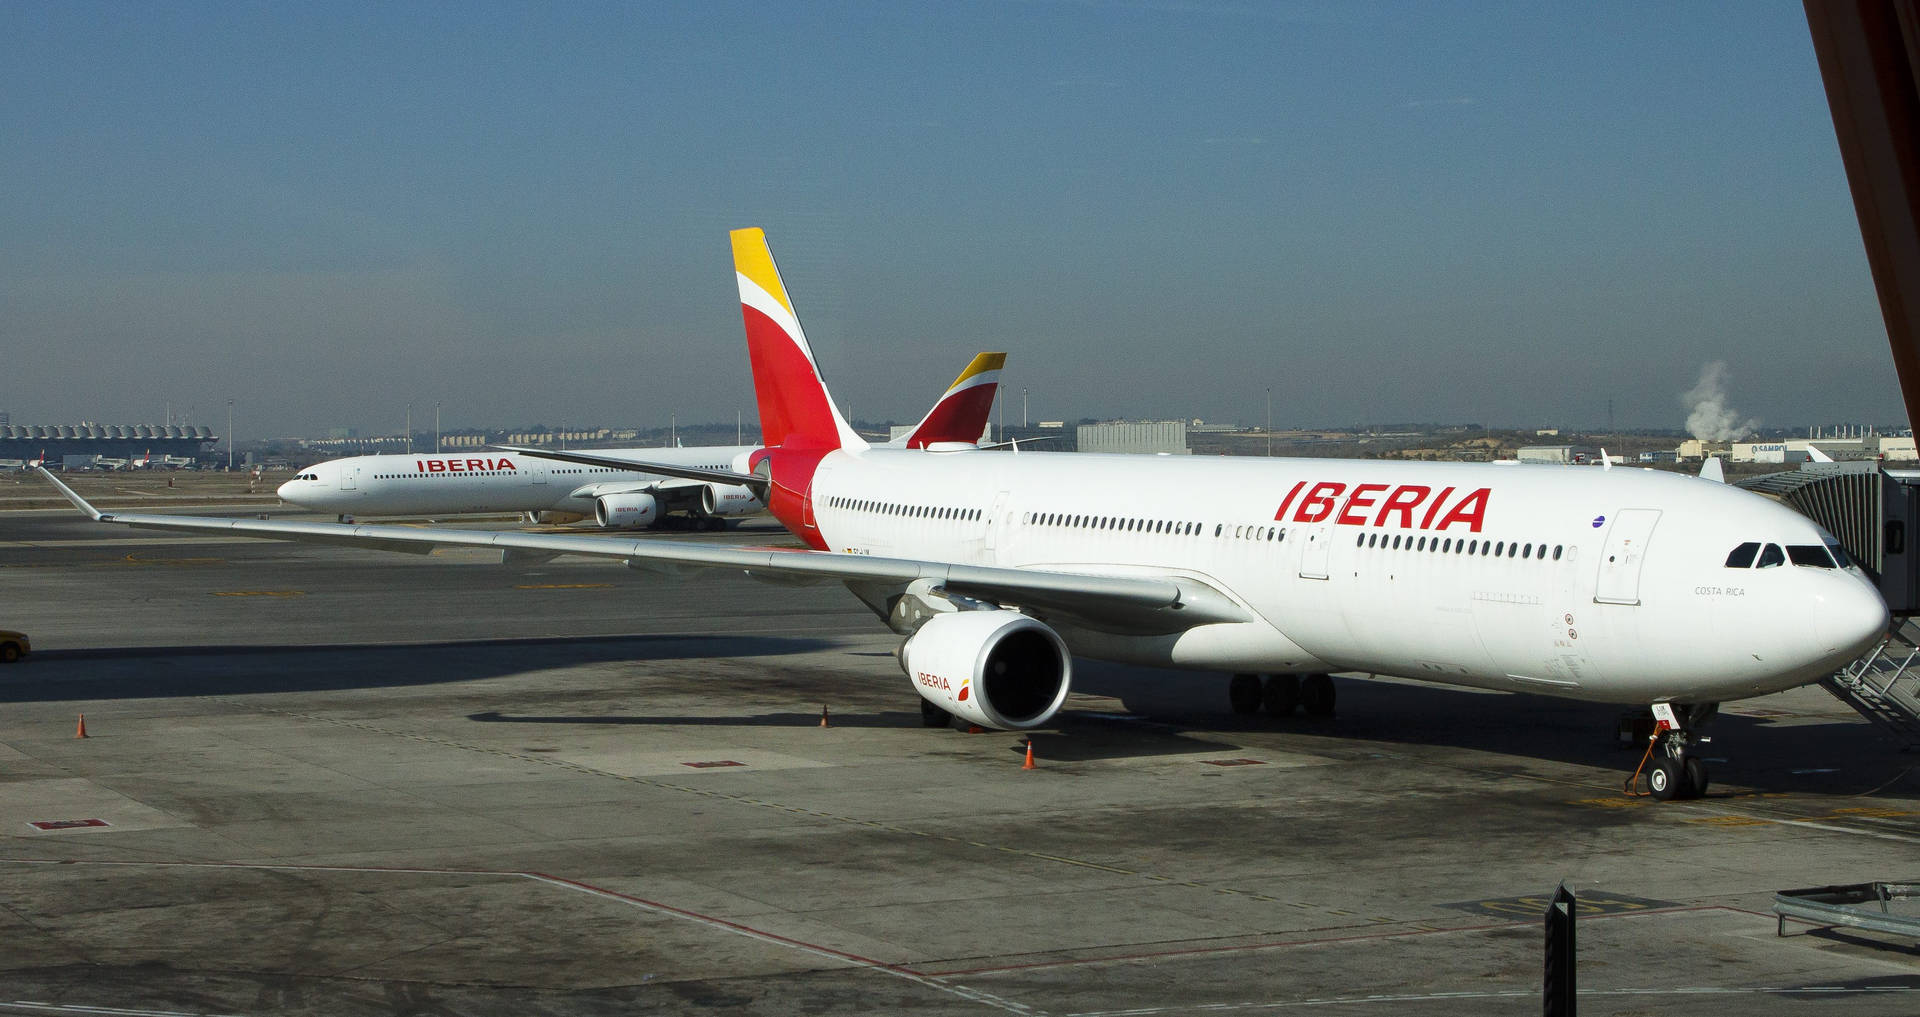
487	481
1606	585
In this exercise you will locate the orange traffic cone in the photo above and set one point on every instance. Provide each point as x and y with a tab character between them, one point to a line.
1028	765
81	732
823	716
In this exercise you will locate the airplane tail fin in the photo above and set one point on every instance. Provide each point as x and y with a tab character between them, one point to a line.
796	410
961	414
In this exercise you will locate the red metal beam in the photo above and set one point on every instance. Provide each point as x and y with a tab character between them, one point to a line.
1867	51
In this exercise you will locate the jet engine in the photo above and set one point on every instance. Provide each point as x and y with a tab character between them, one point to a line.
997	669
625	511
717	500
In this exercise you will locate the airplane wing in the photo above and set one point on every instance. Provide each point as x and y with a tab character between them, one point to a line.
1142	604
757	483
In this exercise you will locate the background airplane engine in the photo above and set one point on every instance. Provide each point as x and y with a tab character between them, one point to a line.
997	669
552	518
625	511
727	500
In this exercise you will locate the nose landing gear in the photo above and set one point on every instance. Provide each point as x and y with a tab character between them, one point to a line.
1673	765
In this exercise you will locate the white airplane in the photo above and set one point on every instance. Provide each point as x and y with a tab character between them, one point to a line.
614	494
1616	586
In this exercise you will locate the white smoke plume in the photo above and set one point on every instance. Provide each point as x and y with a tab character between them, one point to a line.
1709	418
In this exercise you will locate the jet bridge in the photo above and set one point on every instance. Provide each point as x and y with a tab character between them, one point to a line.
1873	512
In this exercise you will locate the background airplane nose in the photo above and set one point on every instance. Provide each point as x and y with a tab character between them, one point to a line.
283	490
1852	620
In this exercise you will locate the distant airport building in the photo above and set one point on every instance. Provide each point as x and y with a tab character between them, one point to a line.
1150	437
89	442
1800	450
1559	455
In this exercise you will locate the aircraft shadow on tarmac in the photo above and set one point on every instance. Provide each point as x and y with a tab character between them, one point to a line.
168	671
1837	757
1074	738
1166	712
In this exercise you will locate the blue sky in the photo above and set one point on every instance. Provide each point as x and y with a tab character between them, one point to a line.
1499	213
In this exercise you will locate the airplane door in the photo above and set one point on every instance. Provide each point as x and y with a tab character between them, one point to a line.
1313	559
349	478
1623	555
994	522
537	469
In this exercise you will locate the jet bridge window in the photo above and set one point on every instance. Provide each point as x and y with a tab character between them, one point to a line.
1742	557
1810	555
1771	557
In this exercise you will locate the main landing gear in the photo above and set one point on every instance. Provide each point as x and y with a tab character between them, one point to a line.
1280	694
1674	767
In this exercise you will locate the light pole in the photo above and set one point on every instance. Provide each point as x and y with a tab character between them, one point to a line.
436	427
1023	409
229	436
409	428
1269	421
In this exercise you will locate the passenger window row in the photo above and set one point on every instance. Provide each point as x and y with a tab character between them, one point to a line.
1072	520
1450	545
890	508
1753	554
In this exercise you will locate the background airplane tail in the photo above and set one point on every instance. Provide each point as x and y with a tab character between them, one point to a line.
796	410
961	414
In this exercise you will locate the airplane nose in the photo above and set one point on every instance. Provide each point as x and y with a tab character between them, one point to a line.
1852	620
284	491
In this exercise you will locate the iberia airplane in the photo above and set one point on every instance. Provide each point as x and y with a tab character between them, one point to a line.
1617	586
609	489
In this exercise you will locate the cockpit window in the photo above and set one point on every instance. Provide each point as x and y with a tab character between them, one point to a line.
1839	553
1810	555
1771	556
1742	556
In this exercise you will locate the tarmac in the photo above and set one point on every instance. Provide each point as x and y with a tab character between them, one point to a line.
329	781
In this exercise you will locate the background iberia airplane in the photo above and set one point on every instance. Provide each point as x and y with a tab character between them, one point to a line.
606	488
1619	586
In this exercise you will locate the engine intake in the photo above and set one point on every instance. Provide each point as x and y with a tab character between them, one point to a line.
625	511
998	669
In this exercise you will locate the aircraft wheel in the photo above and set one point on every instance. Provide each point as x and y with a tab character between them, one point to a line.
1697	776
1667	780
933	716
1281	695
1244	693
1317	695
716	523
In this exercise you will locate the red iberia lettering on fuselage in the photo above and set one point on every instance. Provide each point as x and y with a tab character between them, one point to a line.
933	681
1384	505
462	465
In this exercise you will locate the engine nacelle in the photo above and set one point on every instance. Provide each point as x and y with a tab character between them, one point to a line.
719	500
625	511
997	669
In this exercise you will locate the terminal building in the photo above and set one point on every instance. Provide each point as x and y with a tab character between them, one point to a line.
1139	437
175	444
